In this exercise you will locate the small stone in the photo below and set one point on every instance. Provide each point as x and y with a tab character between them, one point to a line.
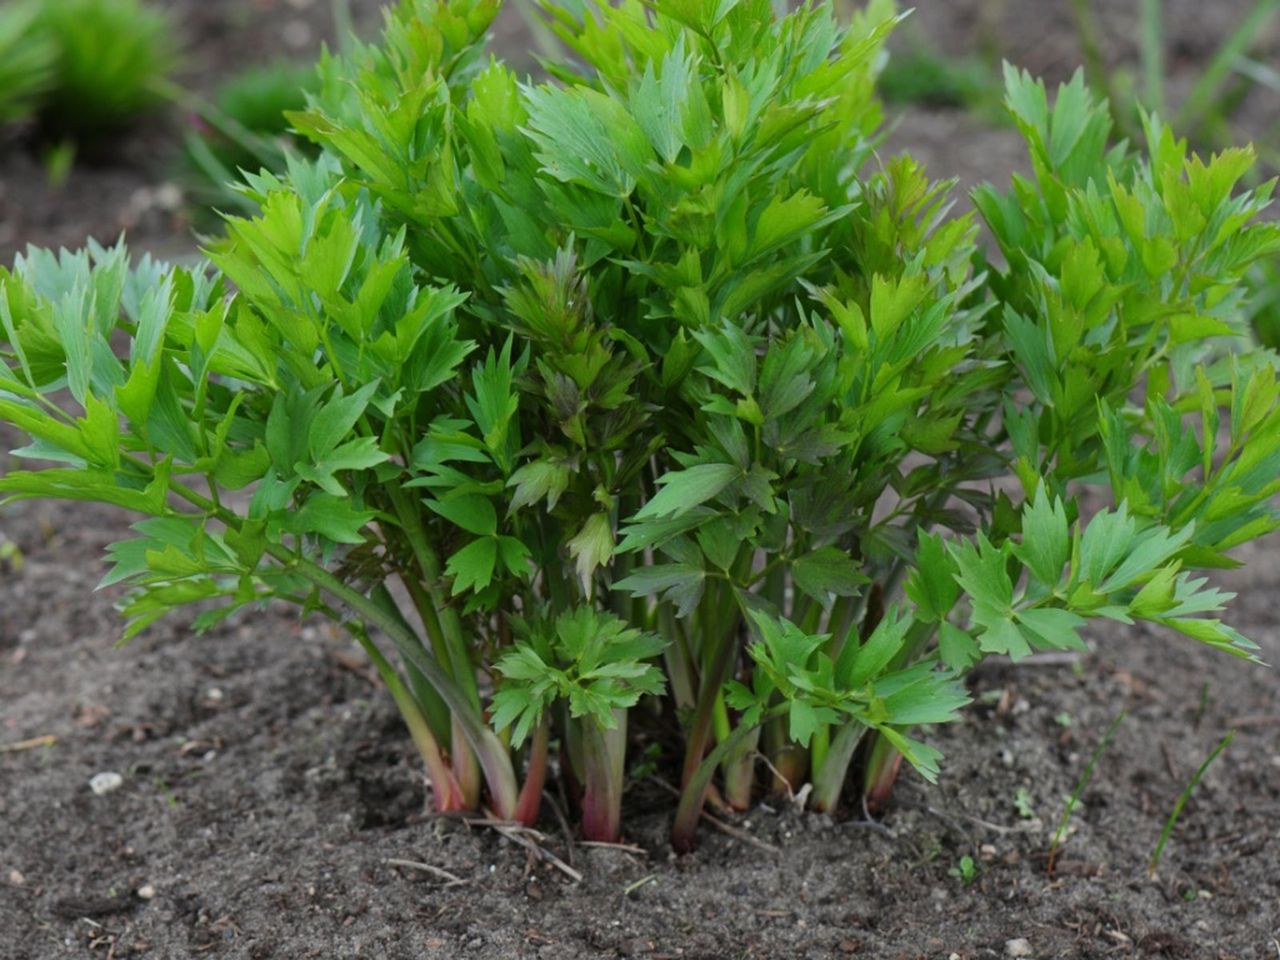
167	197
105	782
214	695
850	946
987	852
1020	947
297	34
147	892
16	878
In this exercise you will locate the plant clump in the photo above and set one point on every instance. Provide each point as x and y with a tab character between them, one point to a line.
647	395
81	69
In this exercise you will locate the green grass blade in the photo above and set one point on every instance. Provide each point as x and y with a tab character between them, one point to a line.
1182	800
1084	782
1205	96
1153	64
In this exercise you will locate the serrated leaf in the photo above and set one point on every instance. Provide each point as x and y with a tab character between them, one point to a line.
682	490
956	648
473	513
592	547
1046	539
827	573
472	567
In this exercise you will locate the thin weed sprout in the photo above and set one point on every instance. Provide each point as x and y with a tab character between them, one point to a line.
1183	798
1085	778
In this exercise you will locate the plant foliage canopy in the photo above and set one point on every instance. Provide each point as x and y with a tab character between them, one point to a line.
656	394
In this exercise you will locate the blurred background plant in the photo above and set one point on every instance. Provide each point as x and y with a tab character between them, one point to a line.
242	128
1264	295
923	76
1206	109
110	57
27	57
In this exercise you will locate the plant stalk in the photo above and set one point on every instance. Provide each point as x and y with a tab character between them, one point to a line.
604	761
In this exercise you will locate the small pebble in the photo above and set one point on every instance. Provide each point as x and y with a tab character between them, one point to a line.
296	34
1020	947
147	892
16	878
167	197
105	782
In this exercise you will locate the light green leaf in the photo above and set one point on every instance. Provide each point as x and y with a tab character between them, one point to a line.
683	490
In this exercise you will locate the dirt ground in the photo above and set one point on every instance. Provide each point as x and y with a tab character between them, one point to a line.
267	783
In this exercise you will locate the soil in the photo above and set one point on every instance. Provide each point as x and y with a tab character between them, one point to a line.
267	782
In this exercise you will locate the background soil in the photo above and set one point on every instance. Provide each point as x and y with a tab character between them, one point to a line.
267	781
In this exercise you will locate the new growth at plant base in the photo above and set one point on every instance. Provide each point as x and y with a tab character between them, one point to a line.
651	393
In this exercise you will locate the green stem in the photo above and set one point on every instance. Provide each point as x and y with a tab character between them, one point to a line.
790	760
1095	67
690	807
718	653
466	766
535	775
444	787
441	617
818	747
739	771
1153	55
604	766
494	758
829	775
433	707
881	773
679	662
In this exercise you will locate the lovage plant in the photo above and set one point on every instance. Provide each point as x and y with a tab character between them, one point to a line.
650	388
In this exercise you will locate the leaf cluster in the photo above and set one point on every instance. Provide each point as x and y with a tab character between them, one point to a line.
651	380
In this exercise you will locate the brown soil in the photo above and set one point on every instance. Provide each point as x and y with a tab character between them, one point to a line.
267	781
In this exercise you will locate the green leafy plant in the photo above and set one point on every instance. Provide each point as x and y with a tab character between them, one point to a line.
921	76
647	386
109	59
966	870
26	62
11	558
1023	803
